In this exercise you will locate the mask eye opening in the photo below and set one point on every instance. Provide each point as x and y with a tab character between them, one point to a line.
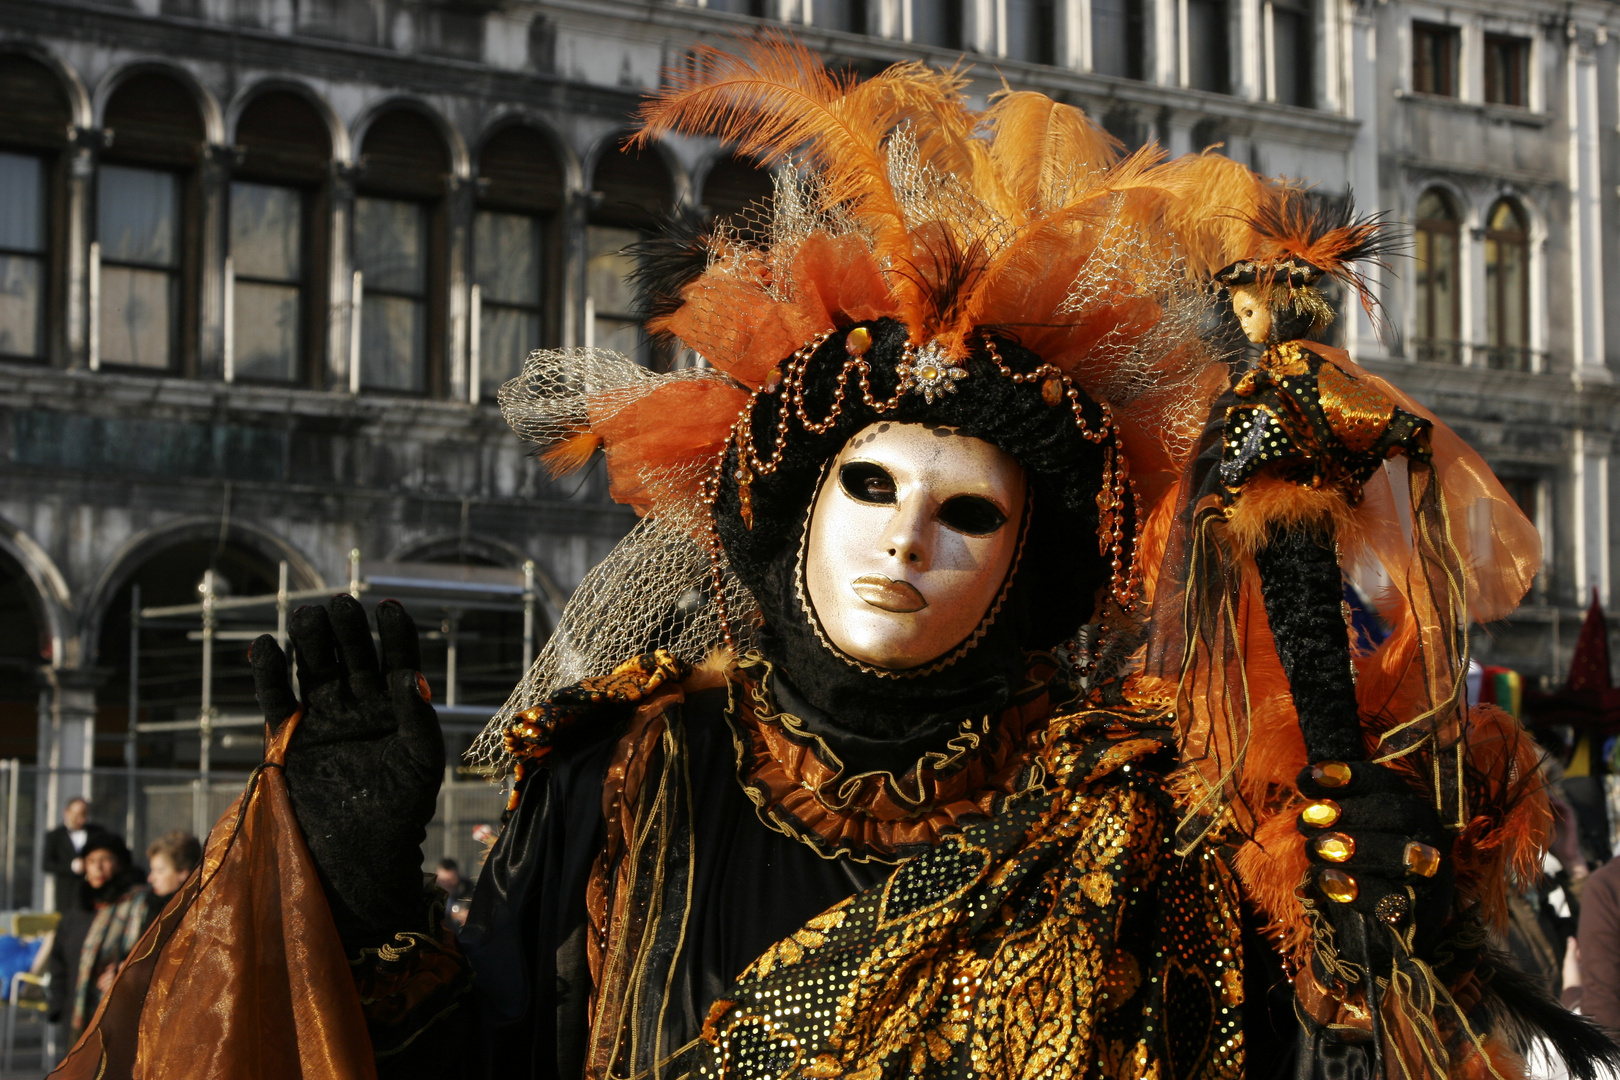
972	514
867	482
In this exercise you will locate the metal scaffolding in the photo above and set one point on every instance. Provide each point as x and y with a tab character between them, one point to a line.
449	590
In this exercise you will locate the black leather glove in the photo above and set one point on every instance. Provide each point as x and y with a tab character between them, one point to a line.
1386	839
364	766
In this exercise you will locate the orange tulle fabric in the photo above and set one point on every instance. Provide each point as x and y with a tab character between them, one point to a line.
657	444
243	976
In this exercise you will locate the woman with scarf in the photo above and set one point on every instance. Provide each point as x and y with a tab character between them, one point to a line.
106	916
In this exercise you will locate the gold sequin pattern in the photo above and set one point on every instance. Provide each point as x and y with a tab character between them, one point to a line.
1299	413
1060	938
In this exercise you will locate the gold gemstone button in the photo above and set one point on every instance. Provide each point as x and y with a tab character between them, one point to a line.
1320	814
1421	859
1339	886
1332	774
1336	847
858	341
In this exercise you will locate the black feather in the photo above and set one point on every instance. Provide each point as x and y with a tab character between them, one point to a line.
1306	217
668	261
1522	1011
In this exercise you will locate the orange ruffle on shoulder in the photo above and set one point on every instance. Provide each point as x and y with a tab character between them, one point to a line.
243	976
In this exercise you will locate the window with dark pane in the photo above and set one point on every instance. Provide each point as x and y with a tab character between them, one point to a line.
755	8
398	249
1208	58
34	122
1507	287
1434	59
1293	46
738	192
279	192
138	225
848	15
145	200
631	192
22	256
1525	491
520	189
937	22
1032	31
267	231
1434	275
1116	37
391	253
1507	68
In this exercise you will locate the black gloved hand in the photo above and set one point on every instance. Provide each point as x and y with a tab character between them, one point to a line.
364	766
1379	817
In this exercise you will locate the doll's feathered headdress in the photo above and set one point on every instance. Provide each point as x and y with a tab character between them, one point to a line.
1295	238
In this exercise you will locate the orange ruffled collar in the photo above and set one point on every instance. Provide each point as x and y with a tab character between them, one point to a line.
798	787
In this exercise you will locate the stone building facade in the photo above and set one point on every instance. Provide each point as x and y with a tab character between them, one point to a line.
263	264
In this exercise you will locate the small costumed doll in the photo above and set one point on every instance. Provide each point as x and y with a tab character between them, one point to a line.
1375	818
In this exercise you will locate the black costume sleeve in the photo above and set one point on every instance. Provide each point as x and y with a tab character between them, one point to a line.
525	935
58	855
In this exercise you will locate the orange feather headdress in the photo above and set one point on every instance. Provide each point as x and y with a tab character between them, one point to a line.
1023	221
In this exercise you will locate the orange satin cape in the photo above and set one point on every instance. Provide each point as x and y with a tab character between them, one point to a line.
243	975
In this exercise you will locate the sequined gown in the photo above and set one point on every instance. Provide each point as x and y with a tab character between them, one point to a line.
709	864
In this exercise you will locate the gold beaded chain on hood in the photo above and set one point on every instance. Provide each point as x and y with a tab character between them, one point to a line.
1056	387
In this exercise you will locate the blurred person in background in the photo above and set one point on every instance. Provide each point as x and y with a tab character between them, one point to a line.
1598	945
64	849
448	877
108	911
171	858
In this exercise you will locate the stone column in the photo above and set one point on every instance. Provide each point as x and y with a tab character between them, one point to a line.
83	146
217	162
1585	210
67	746
1590	475
340	267
462	194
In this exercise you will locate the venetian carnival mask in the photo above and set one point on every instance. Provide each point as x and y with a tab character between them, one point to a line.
911	543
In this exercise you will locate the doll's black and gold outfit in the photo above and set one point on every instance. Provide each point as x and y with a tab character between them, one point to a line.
733	850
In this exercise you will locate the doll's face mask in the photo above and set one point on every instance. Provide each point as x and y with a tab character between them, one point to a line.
911	540
1253	309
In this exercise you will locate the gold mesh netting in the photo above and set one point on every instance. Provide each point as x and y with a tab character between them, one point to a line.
656	588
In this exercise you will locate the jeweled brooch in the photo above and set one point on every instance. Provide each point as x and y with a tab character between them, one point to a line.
929	371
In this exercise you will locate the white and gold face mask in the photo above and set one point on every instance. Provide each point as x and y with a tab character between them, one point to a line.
911	544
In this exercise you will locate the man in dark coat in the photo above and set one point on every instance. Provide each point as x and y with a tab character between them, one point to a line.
64	849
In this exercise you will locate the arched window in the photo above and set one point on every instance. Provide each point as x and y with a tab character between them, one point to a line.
1116	37
146	226
515	242
34	120
937	22
1032	30
169	672
24	649
1208	52
738	190
630	192
1434	255
847	15
278	192
1293	47
1507	287
399	225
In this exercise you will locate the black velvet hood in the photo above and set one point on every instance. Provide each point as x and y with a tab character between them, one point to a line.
1058	582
